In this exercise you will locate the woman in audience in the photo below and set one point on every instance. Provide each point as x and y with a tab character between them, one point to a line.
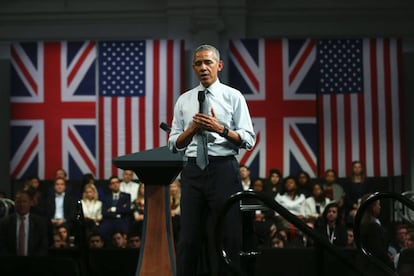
91	206
330	227
138	208
273	184
356	186
315	204
333	190
304	184
175	197
373	236
294	203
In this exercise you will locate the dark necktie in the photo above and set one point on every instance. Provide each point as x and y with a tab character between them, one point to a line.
202	151
22	238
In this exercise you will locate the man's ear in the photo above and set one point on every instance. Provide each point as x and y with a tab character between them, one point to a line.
220	65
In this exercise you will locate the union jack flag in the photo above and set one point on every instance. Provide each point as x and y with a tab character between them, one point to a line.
315	108
53	102
276	79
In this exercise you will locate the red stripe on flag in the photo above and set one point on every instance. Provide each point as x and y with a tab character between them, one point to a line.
156	93
26	156
245	67
114	131
170	80
309	47
101	133
128	125
89	163
81	60
321	137
348	132
334	131
374	113
24	70
142	123
388	108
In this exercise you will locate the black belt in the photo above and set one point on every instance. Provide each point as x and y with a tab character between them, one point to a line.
212	158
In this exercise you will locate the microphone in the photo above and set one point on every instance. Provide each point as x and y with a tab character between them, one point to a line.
201	98
165	127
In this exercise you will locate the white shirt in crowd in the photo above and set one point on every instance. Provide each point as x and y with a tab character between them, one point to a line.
295	206
130	188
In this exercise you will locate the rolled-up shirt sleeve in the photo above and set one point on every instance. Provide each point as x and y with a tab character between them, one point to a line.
243	124
177	127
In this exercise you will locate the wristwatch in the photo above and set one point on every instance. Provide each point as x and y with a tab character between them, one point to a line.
225	133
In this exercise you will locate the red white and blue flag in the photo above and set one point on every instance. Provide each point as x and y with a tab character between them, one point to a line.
72	105
307	119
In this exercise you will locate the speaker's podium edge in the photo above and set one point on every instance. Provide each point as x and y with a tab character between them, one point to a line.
156	168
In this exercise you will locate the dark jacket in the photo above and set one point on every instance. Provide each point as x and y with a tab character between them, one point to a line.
123	206
37	242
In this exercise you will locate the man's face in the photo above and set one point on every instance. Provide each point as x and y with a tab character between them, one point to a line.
22	203
114	185
127	176
60	186
206	67
96	242
135	242
332	214
119	240
244	173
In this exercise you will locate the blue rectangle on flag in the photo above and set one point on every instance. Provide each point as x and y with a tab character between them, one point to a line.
340	66
122	68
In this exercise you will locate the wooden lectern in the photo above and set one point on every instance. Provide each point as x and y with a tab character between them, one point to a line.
156	168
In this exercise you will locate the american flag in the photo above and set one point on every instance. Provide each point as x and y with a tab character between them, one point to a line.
63	116
53	102
359	105
314	109
139	82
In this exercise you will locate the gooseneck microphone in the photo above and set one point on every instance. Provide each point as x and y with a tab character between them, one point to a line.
201	98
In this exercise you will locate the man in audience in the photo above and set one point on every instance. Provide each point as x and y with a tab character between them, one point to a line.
134	240
119	239
96	241
23	233
116	210
128	186
60	206
245	177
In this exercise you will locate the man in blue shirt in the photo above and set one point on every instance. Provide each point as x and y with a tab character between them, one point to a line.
211	123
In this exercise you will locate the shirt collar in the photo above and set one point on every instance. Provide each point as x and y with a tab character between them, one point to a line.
61	195
212	89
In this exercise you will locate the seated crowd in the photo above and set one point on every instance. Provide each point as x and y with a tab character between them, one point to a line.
114	212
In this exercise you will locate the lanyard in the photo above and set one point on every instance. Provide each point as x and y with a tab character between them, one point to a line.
331	235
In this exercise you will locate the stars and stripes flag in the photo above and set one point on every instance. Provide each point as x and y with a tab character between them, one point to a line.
307	119
359	105
139	82
76	105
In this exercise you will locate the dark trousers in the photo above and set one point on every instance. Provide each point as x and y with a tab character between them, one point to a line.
203	193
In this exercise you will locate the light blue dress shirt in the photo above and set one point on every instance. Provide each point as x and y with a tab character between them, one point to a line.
231	110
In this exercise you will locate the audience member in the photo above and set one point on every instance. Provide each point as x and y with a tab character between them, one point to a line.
138	208
278	240
245	177
32	184
95	240
60	206
128	186
23	233
119	239
373	235
273	184
350	241
134	240
116	211
333	190
63	232
175	210
330	227
294	203
58	242
91	206
356	186
399	240
304	183
315	204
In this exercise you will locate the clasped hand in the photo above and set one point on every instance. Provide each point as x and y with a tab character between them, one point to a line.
207	122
